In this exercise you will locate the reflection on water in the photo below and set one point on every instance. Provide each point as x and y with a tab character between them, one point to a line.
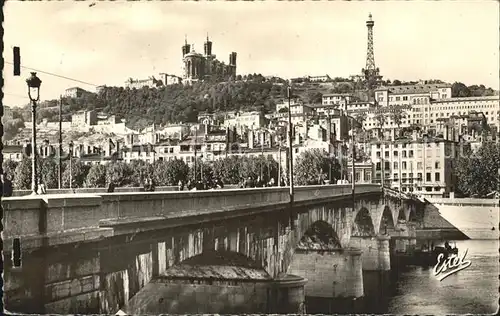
415	290
472	290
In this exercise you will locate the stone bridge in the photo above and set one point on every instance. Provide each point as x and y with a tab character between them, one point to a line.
98	253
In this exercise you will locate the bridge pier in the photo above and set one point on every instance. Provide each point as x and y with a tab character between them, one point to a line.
376	270
335	279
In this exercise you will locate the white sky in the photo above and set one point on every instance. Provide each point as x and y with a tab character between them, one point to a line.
112	41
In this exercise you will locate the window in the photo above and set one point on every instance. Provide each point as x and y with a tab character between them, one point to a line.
368	176
437	165
395	177
419	165
410	177
378	154
395	153
419	176
437	177
405	98
428	176
410	153
404	153
386	154
378	166
403	165
403	177
395	165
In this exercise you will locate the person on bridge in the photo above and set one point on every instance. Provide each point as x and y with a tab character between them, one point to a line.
41	187
181	185
111	186
6	185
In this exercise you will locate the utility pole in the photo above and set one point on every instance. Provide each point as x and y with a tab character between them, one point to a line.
279	161
290	137
195	140
353	167
60	143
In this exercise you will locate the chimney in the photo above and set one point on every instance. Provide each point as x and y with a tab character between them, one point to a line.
250	139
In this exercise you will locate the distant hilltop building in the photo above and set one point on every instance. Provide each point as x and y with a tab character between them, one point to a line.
151	82
198	67
75	92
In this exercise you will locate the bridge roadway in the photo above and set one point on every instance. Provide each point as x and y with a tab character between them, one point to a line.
97	253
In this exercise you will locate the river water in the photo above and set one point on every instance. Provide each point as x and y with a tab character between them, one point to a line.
474	290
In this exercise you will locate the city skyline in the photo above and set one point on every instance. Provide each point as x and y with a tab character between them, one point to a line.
142	39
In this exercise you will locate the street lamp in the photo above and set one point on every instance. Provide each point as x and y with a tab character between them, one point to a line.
33	85
71	145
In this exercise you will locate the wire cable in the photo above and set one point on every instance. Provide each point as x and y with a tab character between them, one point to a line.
55	75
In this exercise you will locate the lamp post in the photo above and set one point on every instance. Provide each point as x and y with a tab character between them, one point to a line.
71	145
33	85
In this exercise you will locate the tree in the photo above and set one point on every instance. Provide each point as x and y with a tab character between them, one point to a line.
140	171
22	178
120	173
312	165
314	97
96	178
397	114
170	172
380	116
9	168
361	117
78	173
459	89
477	174
227	169
396	82
204	171
49	172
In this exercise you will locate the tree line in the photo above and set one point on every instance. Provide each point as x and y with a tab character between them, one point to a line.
311	167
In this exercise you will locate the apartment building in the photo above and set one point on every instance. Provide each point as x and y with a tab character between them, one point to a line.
296	107
339	99
411	94
445	108
420	166
250	120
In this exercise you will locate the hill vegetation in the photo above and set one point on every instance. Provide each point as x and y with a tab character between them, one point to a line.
182	103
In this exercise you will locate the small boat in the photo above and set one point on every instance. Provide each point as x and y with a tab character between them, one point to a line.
429	257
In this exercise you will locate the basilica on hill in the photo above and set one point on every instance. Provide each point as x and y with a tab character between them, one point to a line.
200	67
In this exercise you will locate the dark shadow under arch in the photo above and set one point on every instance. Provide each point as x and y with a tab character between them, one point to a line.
222	258
401	215
363	225
413	216
320	235
386	222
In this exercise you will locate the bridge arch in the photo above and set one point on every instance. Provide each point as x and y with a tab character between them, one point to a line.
386	221
412	216
363	224
402	215
320	235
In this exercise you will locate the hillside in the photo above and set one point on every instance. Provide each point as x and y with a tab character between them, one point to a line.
179	103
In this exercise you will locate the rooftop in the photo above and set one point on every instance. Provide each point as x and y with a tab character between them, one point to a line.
413	89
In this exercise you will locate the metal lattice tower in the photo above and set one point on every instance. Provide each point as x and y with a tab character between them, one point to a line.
370	58
371	72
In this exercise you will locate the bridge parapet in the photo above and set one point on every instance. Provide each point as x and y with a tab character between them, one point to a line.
37	215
